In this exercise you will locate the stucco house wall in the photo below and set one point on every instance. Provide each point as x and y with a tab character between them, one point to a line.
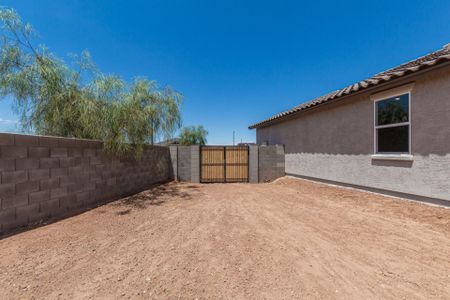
335	142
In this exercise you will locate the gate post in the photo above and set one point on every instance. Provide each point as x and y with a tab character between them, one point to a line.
253	161
195	164
174	159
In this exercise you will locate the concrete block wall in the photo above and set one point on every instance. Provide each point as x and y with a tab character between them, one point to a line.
271	162
174	159
253	161
183	163
266	163
44	178
195	164
186	163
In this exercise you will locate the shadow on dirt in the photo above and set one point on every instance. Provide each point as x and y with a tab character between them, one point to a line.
154	196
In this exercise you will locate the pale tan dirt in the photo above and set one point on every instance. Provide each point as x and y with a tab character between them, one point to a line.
289	239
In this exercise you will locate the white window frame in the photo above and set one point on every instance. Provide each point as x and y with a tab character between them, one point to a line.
406	89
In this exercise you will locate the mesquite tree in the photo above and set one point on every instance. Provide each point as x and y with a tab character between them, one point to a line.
193	135
54	98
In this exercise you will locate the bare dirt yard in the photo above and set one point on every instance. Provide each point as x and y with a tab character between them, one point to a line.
288	239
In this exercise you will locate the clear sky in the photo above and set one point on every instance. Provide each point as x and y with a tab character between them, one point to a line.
238	62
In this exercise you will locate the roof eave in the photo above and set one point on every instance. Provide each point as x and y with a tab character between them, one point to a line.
366	89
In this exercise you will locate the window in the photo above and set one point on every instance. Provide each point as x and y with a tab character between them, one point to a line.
392	125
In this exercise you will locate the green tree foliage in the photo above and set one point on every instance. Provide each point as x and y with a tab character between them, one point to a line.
53	98
193	135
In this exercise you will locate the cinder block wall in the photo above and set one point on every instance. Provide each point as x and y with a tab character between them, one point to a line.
253	161
44	178
184	163
195	164
271	162
266	163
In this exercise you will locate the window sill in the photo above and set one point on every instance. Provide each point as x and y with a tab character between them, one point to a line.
403	157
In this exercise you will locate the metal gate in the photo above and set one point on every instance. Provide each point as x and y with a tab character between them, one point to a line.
223	164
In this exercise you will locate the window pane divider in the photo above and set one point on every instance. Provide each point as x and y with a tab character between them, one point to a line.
392	125
385	96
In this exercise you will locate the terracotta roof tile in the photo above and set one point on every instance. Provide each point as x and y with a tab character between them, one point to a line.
432	59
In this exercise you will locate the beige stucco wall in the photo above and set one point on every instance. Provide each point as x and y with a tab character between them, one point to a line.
335	142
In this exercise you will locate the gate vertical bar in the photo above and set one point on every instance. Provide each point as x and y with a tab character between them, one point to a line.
248	164
225	164
200	162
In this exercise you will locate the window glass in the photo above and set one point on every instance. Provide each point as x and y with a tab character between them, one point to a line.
393	110
393	139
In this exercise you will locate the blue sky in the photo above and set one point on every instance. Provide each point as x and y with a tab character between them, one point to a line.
237	62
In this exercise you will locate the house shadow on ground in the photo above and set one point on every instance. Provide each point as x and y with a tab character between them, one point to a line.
155	196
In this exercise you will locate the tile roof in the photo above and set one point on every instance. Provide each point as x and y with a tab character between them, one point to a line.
429	60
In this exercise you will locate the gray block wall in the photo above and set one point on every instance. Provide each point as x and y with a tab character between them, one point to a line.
195	164
46	178
184	163
266	163
253	161
271	162
174	159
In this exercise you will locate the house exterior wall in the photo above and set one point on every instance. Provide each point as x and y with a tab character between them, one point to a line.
335	142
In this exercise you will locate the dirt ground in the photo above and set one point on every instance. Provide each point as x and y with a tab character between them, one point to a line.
288	239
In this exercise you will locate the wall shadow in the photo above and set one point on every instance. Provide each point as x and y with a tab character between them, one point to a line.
154	196
392	163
